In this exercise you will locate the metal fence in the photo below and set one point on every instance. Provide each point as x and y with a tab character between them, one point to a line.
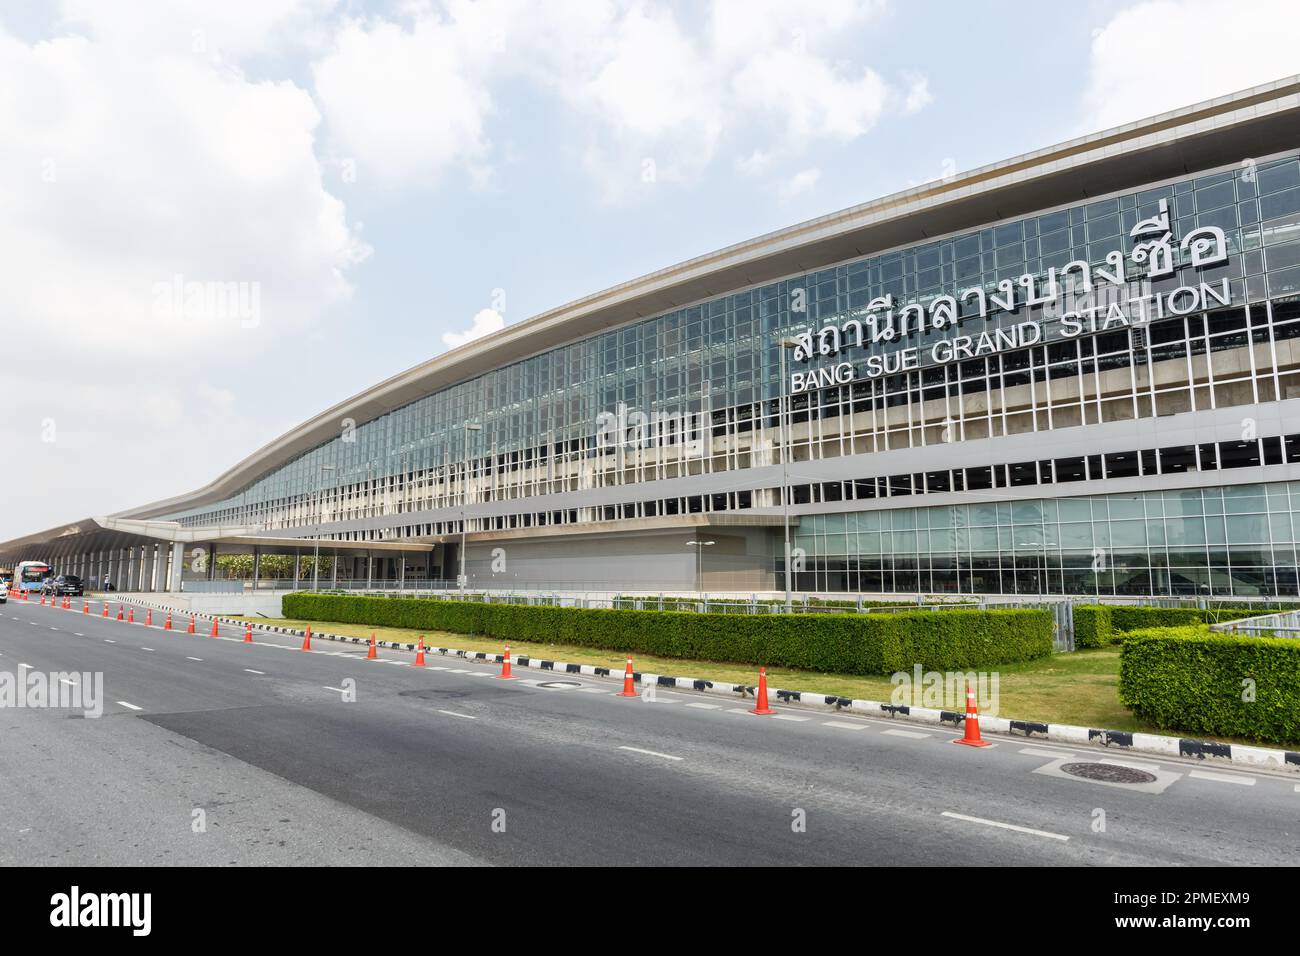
1280	624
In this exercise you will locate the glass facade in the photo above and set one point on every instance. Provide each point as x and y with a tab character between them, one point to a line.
711	370
1235	540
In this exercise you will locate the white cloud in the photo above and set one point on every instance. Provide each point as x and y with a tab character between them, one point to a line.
811	98
485	322
1156	56
125	169
918	95
800	182
405	103
134	161
655	88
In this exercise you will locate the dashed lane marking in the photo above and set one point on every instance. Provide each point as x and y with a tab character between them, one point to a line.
909	734
199	659
129	706
792	717
1040	752
844	725
258	673
452	713
1222	777
701	706
650	753
1006	826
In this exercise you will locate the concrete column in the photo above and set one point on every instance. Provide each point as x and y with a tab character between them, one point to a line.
370	570
178	566
212	562
401	571
132	579
334	569
147	577
297	567
257	566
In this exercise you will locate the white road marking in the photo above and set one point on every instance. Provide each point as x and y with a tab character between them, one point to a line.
843	725
107	641
706	706
793	717
259	673
199	659
1006	826
341	690
129	706
146	648
75	634
1135	764
909	734
1038	752
1222	777
27	666
650	753
452	713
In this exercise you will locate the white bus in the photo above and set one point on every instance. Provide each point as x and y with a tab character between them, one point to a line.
30	575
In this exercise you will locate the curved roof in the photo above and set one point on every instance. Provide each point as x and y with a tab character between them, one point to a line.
1254	122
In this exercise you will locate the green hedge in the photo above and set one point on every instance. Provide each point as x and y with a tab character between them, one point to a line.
1092	625
841	643
1190	679
1096	625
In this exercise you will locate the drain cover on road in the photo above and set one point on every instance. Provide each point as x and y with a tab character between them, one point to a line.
559	684
1108	773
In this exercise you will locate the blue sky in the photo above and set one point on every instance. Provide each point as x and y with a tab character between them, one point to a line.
376	179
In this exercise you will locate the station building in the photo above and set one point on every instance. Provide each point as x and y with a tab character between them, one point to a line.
1073	372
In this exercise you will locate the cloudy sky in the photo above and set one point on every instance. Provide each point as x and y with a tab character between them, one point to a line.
218	217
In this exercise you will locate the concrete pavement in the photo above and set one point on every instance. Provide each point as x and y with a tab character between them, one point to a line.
449	765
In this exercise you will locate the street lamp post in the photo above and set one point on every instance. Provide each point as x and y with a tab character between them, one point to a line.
464	497
783	410
320	518
699	547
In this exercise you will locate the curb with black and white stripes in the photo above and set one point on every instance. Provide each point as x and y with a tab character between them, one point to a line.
1241	755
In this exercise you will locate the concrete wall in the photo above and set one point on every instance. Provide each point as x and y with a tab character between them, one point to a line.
740	559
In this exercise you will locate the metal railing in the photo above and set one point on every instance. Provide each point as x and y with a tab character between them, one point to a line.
1278	624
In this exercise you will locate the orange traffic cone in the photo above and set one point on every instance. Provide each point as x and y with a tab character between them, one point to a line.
131	617
760	696
505	666
148	618
214	627
85	606
419	653
105	614
972	738
120	613
306	639
371	655
248	634
628	689
167	625
193	621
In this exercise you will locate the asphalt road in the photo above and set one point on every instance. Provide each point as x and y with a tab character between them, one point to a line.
447	765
